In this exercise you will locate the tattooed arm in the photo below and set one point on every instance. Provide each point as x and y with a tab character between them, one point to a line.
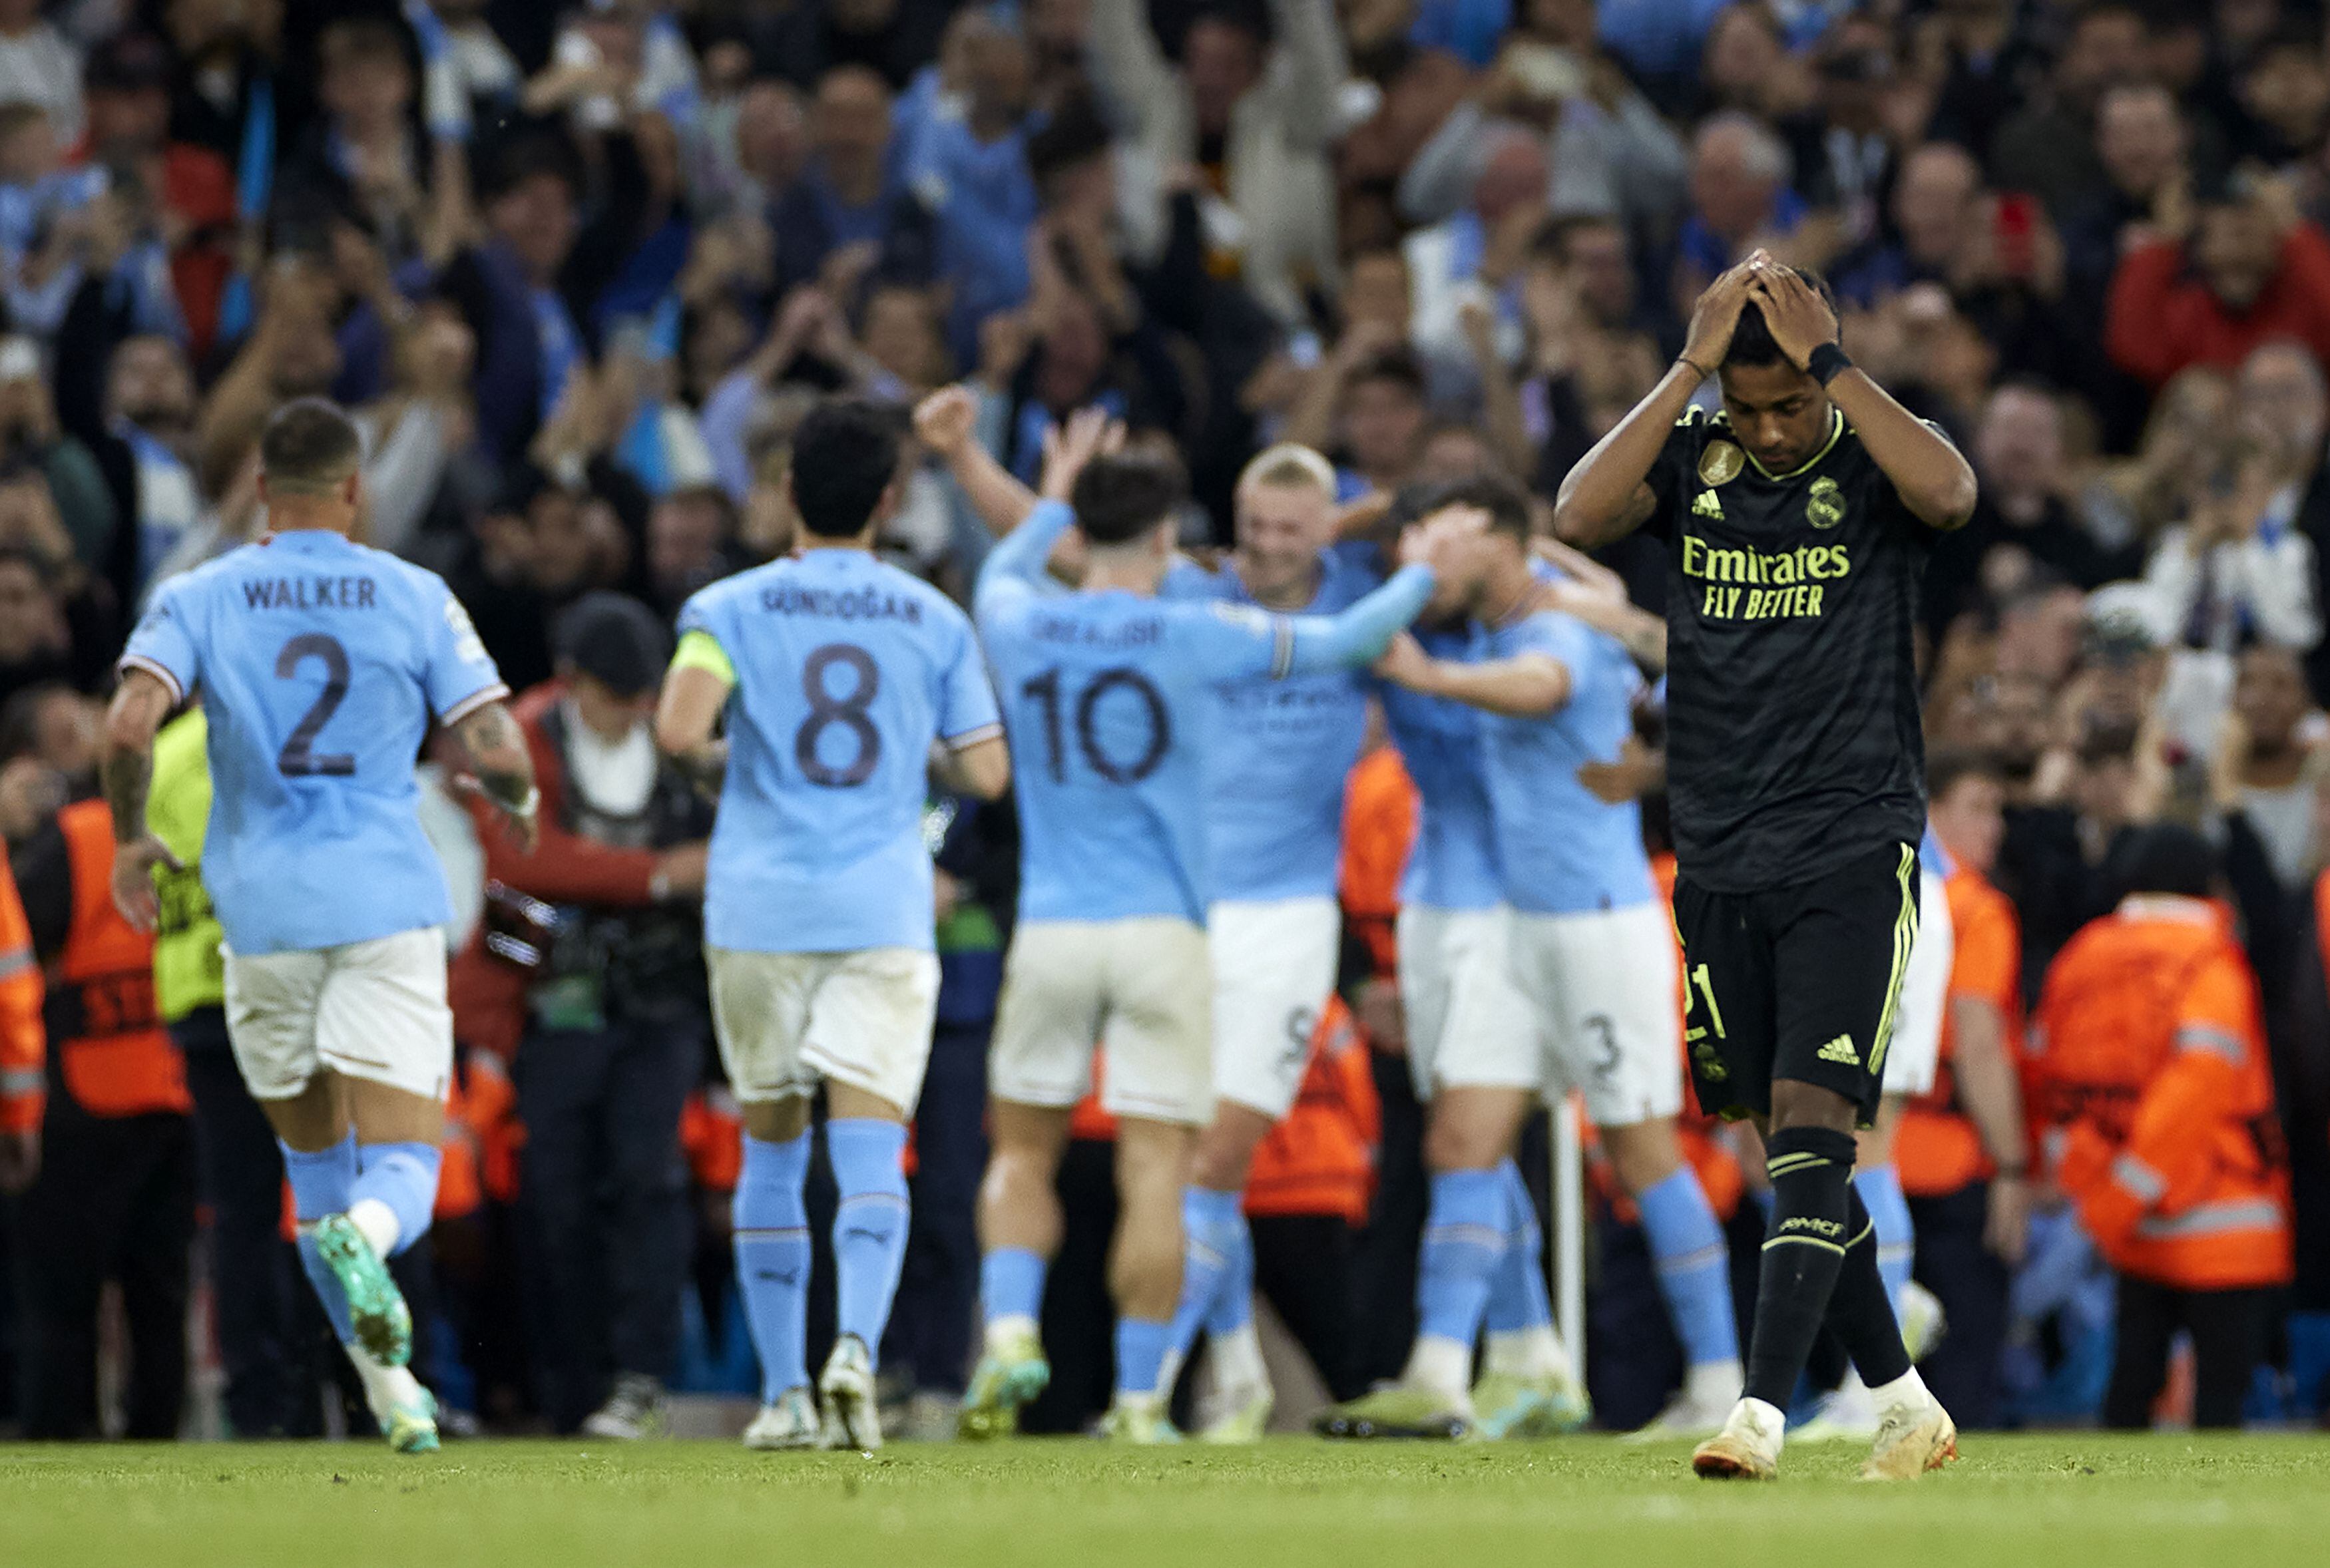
138	708
502	766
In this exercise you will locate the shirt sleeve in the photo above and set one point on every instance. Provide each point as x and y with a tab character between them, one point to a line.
1988	961
1240	642
1017	562
967	710
700	650
1671	469
461	676
163	646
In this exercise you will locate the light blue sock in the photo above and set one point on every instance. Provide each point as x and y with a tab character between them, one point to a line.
1694	1267
1464	1238
1210	1224
1880	1186
1517	1296
1139	1354
869	1224
404	1176
1234	1301
771	1241
321	1184
1011	1284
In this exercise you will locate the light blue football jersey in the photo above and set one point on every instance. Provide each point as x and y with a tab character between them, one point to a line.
1279	750
1107	698
1562	849
320	664
1451	864
846	669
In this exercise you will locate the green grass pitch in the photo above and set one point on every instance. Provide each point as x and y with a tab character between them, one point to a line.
2058	1501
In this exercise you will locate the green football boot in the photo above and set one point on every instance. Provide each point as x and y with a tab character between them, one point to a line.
1398	1410
1508	1406
1012	1372
1139	1419
411	1428
376	1309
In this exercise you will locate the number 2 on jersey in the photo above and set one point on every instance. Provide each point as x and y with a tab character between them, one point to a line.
826	709
298	760
1046	689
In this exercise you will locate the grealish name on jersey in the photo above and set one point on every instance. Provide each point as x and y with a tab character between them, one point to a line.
1146	632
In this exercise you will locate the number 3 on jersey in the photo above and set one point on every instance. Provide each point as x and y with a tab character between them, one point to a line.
848	710
1127	769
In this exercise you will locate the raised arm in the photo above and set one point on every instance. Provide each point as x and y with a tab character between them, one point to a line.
1607	495
501	768
1642	635
1528	686
126	762
946	422
1933	479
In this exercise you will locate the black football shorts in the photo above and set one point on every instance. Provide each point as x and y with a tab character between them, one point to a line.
1801	982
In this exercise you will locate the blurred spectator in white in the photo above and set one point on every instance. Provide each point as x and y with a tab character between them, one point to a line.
2238	569
1260	120
38	64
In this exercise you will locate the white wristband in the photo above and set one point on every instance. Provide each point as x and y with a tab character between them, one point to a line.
527	807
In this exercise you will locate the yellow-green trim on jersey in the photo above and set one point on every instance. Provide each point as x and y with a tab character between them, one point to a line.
189	972
700	650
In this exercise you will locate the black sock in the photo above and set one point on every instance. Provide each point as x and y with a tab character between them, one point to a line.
1811	1187
1861	1310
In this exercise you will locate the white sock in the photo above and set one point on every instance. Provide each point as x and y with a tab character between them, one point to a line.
1907	1389
1443	1365
1237	1359
1535	1354
377	1222
1010	1326
1714	1385
384	1386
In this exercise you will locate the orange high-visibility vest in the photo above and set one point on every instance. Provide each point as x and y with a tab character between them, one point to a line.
2155	1098
1939	1149
112	1054
1321	1158
23	1040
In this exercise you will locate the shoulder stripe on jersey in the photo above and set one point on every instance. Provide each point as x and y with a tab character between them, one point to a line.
461	710
1282	646
140	662
974	736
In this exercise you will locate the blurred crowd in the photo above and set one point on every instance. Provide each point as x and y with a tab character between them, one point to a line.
580	267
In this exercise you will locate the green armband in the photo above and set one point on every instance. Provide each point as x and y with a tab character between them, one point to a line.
700	650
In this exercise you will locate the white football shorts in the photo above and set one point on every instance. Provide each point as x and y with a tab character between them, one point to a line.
1609	987
1468	1023
786	1021
1273	970
1139	988
1915	1055
372	1010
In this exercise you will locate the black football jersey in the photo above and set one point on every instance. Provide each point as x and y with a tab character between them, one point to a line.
1793	737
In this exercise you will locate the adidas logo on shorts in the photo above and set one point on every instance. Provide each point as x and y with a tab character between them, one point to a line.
1840	1051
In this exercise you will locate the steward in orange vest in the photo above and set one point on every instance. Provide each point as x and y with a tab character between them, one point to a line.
2155	1100
115	1199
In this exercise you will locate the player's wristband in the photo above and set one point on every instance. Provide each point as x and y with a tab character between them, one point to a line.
526	808
1694	366
1827	363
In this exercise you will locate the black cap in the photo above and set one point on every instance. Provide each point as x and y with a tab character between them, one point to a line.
616	640
127	62
2169	857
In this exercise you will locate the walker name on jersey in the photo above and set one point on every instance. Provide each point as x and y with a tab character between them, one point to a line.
310	594
1759	584
846	604
1147	632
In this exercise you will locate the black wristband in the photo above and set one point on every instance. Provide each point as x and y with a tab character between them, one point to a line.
1826	364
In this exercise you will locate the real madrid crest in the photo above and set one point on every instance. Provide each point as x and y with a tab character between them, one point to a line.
1720	463
1825	507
